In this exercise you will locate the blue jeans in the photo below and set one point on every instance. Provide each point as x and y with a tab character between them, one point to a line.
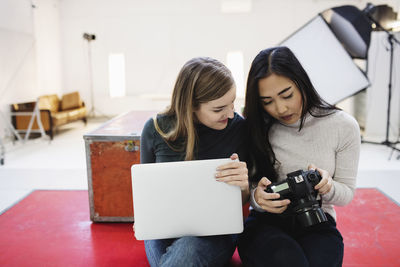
190	251
273	240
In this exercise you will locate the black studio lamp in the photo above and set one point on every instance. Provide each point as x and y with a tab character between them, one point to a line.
89	37
353	27
383	15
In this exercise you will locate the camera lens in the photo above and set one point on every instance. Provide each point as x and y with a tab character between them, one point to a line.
312	216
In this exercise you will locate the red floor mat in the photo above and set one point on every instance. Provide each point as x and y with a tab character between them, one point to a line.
52	228
370	226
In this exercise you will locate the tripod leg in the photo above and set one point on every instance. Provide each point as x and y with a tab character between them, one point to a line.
2	152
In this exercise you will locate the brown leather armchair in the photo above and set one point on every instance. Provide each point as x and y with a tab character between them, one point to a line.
53	112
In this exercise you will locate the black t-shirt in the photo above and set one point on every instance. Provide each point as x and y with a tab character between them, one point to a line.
212	144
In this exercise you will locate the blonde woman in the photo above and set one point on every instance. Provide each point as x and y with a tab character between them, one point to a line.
199	124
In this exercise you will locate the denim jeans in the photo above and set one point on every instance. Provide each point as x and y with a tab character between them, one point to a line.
190	251
273	240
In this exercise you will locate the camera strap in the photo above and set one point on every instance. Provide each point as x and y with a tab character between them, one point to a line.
319	199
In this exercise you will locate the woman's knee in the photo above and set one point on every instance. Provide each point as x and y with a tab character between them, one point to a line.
323	247
155	249
328	252
199	251
272	248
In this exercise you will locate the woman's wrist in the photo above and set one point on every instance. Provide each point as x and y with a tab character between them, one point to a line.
253	202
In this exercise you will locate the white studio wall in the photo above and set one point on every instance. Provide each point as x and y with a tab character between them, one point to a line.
46	21
30	52
158	37
18	80
42	50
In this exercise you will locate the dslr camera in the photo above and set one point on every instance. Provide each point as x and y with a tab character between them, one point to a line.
298	187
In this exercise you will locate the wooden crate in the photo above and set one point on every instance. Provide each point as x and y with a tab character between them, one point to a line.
111	150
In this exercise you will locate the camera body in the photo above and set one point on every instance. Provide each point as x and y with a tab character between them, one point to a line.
298	187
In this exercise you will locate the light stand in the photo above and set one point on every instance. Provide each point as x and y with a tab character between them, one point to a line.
392	40
92	112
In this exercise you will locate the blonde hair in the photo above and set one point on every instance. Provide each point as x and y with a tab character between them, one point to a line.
200	80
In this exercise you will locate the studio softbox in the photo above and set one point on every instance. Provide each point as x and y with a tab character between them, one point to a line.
331	69
351	27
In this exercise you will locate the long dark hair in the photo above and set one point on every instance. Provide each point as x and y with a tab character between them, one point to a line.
280	61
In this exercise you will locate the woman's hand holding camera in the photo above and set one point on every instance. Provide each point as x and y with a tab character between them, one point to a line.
234	173
268	201
325	185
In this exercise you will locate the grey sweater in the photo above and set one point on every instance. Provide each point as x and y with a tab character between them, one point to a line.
331	143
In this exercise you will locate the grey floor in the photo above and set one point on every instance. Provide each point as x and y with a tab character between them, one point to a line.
61	164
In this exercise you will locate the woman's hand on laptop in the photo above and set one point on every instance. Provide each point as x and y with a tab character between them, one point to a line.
234	173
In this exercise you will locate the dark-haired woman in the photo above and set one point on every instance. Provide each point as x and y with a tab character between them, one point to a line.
292	128
199	124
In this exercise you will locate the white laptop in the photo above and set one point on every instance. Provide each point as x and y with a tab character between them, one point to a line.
183	198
